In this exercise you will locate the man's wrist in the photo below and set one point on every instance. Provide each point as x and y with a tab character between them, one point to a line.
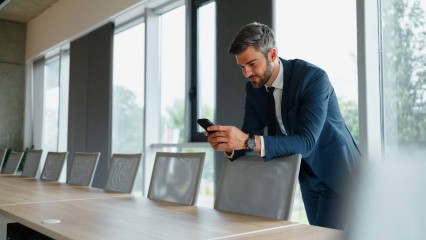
250	143
257	149
253	143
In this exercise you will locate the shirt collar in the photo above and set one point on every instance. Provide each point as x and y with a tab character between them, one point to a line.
279	81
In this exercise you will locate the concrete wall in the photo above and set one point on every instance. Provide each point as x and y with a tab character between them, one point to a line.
12	84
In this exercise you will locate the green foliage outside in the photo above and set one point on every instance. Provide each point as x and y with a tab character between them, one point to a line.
349	110
404	72
174	118
127	122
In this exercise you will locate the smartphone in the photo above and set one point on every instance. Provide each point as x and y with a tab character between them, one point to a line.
204	123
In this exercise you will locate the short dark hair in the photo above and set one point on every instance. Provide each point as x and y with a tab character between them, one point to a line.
253	34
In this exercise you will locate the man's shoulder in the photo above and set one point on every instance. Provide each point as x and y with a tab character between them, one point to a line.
300	63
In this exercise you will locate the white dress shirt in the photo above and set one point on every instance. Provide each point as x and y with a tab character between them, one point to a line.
278	94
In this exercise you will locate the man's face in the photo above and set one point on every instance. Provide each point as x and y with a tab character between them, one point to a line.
255	66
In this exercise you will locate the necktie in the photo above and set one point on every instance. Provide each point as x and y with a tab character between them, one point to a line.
272	119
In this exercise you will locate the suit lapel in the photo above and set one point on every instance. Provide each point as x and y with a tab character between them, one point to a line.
288	71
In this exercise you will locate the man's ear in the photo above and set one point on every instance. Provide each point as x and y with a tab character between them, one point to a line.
273	54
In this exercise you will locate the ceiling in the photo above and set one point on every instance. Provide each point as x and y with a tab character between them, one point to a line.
23	11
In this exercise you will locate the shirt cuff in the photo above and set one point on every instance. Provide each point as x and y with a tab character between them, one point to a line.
229	156
262	147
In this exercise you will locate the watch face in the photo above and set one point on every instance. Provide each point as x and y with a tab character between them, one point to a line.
251	143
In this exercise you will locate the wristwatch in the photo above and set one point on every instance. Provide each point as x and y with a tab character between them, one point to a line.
251	143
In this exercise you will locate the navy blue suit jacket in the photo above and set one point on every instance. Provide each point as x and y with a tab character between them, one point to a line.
312	119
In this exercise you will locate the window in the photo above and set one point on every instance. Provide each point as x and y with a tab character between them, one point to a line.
404	77
51	105
174	89
128	94
327	39
172	73
50	87
55	84
128	90
206	63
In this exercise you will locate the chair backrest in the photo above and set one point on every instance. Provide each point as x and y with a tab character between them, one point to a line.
176	177
122	172
32	162
53	166
83	168
12	162
2	156
251	186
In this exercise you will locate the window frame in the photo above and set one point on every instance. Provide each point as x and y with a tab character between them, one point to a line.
194	135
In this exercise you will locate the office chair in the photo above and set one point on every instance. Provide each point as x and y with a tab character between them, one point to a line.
122	173
53	166
251	186
83	168
32	162
176	177
12	162
2	157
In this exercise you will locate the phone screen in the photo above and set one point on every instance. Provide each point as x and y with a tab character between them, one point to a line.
204	123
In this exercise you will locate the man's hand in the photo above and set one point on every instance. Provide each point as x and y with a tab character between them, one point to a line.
226	138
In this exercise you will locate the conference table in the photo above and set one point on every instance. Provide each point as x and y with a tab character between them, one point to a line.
63	211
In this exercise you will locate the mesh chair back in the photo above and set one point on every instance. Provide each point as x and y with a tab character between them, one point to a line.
251	186
122	173
176	177
83	168
53	166
2	156
12	162
32	162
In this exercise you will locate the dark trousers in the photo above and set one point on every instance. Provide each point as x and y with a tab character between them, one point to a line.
323	206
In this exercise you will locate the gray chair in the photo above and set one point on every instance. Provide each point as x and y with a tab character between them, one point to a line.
12	162
176	177
53	166
2	156
32	162
122	173
251	186
83	168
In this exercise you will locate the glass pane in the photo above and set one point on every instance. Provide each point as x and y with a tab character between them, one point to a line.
326	38
51	105
128	94
206	68
404	76
173	75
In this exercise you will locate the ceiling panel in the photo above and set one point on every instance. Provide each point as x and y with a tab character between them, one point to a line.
24	10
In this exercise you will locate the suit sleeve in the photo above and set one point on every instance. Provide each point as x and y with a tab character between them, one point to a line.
313	92
252	122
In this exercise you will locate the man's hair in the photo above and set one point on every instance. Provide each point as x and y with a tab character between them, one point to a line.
253	34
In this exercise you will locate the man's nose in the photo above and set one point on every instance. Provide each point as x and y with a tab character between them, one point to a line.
246	72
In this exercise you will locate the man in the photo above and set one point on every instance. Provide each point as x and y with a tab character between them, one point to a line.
302	116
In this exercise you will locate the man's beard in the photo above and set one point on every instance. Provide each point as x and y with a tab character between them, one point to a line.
264	78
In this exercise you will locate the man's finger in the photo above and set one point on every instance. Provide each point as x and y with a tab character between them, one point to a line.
217	128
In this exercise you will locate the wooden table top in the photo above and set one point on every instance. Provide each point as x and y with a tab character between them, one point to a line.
133	218
17	190
91	213
290	232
